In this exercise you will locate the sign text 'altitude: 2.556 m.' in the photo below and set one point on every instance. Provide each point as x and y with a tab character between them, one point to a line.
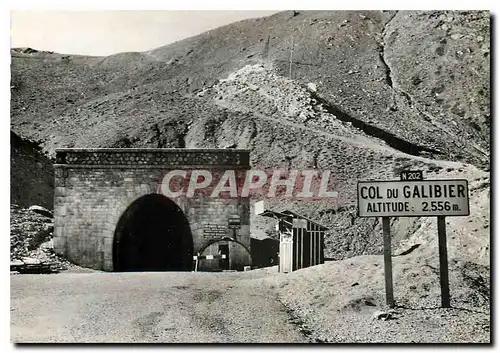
420	198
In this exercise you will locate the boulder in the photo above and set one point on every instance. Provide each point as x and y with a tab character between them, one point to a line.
30	261
41	210
384	315
16	263
312	87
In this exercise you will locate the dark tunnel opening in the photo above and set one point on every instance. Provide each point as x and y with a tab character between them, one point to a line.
153	234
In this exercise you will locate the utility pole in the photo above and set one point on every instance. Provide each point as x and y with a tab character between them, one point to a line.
266	49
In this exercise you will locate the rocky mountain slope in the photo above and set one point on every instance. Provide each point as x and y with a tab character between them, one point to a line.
31	174
427	87
369	93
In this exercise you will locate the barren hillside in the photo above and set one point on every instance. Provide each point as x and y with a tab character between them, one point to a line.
427	87
370	93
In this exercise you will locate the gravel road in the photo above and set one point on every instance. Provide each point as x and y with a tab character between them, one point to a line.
147	307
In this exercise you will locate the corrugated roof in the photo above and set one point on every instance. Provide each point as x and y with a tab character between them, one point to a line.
288	215
259	235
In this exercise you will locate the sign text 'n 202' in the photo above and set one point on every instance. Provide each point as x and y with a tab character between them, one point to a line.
422	198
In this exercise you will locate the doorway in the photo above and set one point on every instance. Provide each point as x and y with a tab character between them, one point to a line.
224	250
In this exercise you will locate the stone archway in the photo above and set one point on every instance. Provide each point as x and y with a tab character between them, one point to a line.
233	262
213	241
153	234
97	200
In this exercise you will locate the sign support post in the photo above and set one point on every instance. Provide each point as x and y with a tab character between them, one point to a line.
196	263
389	293
443	263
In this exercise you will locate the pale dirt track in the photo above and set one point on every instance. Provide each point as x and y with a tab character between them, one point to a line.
147	307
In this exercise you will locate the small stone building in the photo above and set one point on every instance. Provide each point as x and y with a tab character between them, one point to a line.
111	212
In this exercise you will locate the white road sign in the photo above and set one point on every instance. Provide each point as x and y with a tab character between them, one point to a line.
420	198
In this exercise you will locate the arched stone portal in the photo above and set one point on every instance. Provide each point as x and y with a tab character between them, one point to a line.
153	234
111	210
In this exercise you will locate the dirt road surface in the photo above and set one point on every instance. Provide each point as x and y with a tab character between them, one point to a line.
147	307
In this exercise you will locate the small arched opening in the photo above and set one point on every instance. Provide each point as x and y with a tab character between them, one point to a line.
237	255
153	234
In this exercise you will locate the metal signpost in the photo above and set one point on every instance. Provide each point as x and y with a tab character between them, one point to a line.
234	223
414	197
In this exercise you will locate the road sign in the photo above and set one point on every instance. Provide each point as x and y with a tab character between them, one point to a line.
234	222
412	175
422	198
214	230
414	198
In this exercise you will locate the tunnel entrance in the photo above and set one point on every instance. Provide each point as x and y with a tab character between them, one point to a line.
153	234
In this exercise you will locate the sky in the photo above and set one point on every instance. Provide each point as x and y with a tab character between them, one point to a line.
110	32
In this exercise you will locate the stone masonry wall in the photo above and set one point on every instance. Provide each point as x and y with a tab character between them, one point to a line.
94	187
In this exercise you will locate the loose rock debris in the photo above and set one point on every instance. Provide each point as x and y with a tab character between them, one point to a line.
385	315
